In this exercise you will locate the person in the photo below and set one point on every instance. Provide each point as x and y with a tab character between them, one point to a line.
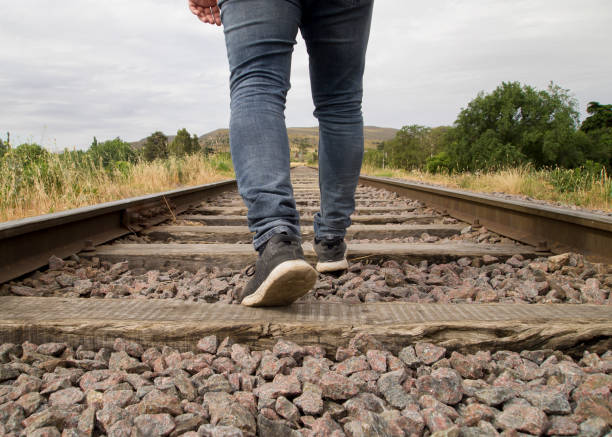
259	38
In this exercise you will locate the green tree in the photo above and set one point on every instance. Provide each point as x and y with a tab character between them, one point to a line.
31	153
29	164
3	148
600	118
184	144
439	163
374	158
597	133
516	124
303	144
108	153
314	158
156	146
412	146
195	144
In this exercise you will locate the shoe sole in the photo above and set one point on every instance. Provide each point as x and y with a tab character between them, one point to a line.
333	266
286	283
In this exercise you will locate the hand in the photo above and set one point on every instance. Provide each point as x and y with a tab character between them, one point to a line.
206	10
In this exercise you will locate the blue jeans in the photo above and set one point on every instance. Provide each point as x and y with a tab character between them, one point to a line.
260	35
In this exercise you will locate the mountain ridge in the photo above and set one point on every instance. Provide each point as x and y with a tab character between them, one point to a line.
372	135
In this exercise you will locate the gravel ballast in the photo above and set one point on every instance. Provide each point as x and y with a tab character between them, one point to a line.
226	389
566	278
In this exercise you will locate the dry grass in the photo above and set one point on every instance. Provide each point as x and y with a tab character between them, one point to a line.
548	185
62	185
74	186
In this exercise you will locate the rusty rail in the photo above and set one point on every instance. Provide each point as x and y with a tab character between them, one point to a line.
546	227
27	244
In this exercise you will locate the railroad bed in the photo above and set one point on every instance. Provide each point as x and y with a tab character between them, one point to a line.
439	326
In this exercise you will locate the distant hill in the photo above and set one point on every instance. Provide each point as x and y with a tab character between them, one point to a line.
215	133
372	135
375	133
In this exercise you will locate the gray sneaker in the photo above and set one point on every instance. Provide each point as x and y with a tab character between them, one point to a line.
281	274
332	254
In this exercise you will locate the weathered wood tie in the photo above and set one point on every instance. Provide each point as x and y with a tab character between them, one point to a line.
239	220
242	210
193	256
316	201
234	234
96	323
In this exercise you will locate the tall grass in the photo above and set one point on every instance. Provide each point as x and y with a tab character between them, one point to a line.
57	182
588	188
63	181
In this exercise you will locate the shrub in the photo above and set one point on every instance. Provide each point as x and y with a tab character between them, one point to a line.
580	178
156	146
108	152
184	144
439	163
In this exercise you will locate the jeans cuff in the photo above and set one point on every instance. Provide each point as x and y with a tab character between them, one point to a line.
258	242
322	230
327	234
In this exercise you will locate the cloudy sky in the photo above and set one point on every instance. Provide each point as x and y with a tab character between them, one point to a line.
73	69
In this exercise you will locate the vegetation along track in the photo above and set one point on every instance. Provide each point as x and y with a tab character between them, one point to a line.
438	326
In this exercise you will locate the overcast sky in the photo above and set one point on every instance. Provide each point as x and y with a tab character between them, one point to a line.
73	69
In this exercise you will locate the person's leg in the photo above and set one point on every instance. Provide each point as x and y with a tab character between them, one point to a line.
336	35
259	36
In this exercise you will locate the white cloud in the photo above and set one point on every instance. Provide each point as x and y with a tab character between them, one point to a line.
75	69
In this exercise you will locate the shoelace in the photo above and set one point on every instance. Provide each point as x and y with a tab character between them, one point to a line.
250	270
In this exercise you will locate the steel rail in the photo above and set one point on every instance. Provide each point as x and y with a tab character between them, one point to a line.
27	244
548	228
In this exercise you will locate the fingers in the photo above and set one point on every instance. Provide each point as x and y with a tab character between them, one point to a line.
206	14
216	15
194	9
209	16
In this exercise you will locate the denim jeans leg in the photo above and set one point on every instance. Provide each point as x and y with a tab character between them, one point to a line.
336	35
259	37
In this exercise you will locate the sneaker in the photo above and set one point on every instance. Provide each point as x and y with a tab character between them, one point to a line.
332	254
281	274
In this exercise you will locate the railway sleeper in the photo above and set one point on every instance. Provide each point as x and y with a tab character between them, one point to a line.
234	234
191	257
95	323
381	219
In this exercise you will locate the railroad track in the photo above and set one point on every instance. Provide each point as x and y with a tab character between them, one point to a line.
458	275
